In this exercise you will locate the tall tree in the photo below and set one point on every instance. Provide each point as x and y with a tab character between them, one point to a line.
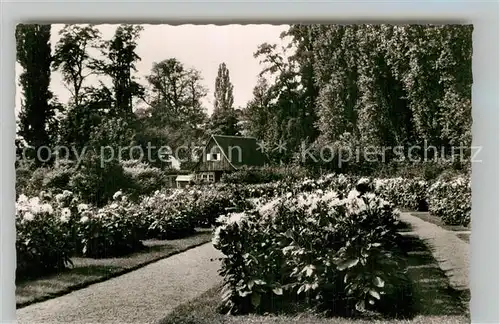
223	95
224	120
176	115
120	63
257	113
175	94
302	38
34	56
81	119
285	100
72	56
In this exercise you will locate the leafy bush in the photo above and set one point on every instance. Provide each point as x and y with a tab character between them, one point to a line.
24	172
340	254
255	175
451	200
96	183
110	231
145	179
58	178
168	215
42	243
404	192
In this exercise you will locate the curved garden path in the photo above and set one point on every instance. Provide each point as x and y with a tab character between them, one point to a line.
451	253
142	296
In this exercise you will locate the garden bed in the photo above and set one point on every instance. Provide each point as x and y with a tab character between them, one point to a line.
87	271
435	301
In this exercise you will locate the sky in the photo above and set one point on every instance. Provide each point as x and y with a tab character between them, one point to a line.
202	47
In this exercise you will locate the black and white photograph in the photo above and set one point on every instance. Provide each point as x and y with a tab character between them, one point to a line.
258	173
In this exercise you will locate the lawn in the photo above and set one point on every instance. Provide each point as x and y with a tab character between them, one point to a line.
87	271
436	302
464	237
426	216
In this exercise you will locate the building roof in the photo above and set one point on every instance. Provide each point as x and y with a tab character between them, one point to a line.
239	150
250	154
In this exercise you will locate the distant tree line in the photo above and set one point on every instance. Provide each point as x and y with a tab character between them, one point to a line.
341	85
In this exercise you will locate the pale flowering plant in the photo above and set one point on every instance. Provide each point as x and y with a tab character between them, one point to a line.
340	249
410	193
43	244
110	231
451	200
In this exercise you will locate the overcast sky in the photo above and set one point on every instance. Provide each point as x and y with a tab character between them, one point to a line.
203	47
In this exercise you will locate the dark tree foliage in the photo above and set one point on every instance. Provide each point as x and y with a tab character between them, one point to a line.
37	113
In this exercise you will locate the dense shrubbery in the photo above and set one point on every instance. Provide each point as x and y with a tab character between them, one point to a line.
42	243
96	182
265	175
113	230
168	215
340	253
448	197
144	179
93	183
78	227
407	193
53	227
451	200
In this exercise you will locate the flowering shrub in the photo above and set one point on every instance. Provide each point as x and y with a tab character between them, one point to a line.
110	231
42	243
451	200
170	216
337	253
408	193
448	198
258	175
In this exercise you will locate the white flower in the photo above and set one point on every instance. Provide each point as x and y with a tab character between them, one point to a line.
84	219
236	218
289	194
59	197
28	216
379	183
113	206
22	199
47	208
66	212
117	195
370	195
35	206
363	181
67	193
82	207
353	194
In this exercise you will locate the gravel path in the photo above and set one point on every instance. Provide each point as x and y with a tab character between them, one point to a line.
142	296
450	252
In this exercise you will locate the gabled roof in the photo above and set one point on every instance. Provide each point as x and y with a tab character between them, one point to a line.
231	146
